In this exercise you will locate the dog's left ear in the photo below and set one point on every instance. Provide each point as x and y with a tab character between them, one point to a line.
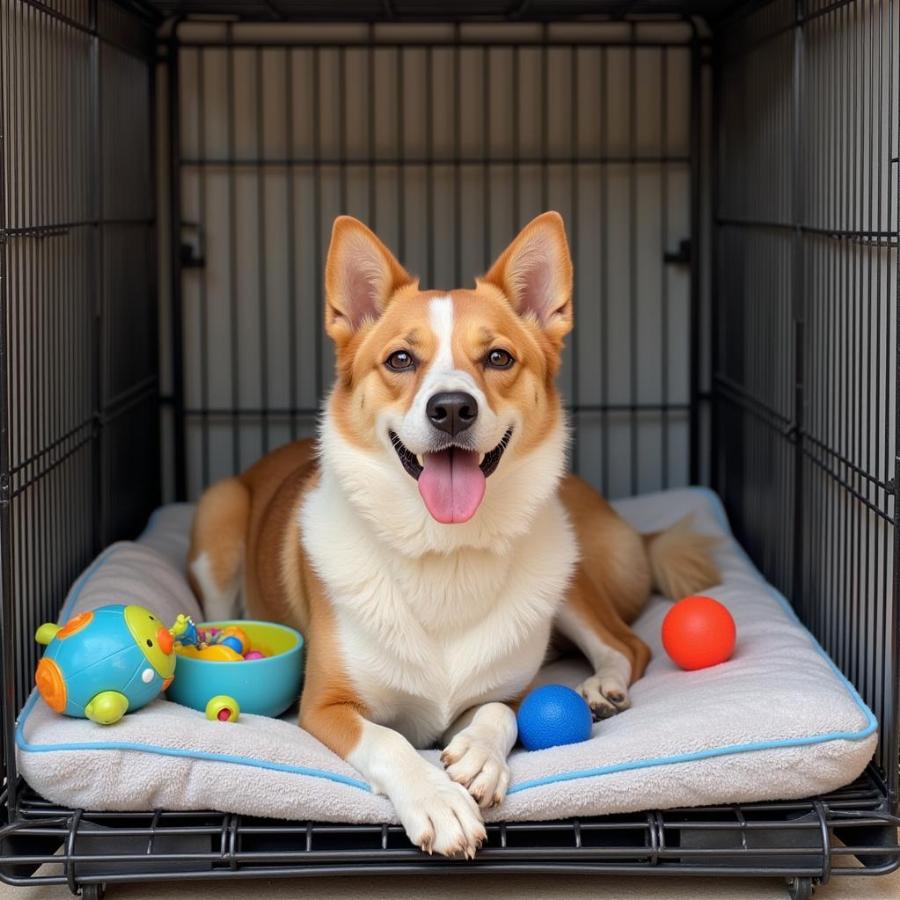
361	276
535	274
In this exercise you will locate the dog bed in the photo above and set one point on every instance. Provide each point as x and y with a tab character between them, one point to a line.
778	721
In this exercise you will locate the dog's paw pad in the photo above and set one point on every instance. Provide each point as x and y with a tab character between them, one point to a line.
440	817
478	767
604	696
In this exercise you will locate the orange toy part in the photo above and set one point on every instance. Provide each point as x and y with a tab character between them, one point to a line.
75	624
51	684
165	640
698	632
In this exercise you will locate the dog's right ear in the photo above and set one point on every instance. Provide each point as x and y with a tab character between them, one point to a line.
361	276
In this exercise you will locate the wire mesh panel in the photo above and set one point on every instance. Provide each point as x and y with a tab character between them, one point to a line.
78	453
445	139
808	838
806	306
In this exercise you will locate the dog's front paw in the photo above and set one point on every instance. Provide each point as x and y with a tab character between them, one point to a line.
478	767
605	694
439	816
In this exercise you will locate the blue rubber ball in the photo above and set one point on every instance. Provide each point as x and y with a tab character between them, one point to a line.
552	715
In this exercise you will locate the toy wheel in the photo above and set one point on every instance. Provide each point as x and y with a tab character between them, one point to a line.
800	888
223	708
93	892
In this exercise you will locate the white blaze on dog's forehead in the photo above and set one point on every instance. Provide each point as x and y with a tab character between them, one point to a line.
443	374
440	315
414	428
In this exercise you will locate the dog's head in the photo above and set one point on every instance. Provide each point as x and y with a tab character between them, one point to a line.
445	411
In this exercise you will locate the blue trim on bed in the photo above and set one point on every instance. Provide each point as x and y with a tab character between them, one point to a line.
718	509
190	754
871	725
23	744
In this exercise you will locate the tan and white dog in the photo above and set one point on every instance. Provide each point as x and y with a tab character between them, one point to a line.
430	543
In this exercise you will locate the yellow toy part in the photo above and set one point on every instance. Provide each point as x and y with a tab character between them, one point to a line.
107	707
223	708
154	639
46	633
214	653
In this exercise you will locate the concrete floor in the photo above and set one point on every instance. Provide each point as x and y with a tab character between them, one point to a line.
494	887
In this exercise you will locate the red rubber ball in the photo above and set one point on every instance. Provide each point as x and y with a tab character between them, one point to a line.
698	632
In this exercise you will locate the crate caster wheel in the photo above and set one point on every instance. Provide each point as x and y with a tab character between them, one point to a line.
93	892
800	888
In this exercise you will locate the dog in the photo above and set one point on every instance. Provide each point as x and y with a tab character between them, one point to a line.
430	544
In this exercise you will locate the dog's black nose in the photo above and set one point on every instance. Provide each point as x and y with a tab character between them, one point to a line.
452	411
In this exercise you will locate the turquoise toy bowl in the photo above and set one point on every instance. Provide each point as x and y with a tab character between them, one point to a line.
263	687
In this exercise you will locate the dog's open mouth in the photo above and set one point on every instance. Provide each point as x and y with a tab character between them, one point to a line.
451	481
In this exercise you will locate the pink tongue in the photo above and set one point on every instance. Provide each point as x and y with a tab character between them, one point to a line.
452	485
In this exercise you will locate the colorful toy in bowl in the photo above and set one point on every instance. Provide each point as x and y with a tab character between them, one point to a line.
105	662
211	653
216	679
228	644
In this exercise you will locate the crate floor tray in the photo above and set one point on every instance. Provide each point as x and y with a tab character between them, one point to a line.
778	721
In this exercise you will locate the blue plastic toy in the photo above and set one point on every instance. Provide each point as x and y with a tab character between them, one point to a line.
218	680
105	662
232	642
552	715
185	631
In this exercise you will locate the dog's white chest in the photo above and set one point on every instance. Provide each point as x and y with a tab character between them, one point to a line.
418	664
423	639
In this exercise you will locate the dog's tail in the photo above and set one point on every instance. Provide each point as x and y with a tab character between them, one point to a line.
681	560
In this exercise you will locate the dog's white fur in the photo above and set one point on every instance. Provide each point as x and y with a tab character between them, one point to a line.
427	633
434	621
418	621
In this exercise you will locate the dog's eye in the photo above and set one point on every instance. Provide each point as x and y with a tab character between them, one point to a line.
499	359
400	360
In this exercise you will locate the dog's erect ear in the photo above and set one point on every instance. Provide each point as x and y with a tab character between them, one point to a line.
361	275
535	274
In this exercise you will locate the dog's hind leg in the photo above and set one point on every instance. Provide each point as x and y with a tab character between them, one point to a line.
480	741
218	541
617	654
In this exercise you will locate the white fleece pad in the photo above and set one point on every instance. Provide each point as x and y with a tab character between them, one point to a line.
776	721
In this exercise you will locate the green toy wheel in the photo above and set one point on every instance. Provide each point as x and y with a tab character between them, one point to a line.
223	708
107	707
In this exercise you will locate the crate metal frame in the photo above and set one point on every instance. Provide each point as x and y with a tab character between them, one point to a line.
800	841
803	841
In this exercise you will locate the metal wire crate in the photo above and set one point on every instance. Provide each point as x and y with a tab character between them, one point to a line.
729	172
807	839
